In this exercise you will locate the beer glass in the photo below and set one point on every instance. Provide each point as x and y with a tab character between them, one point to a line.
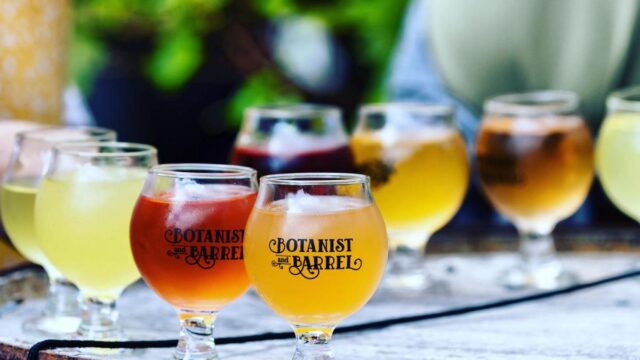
19	188
293	138
535	161
419	171
315	249
82	215
187	232
618	151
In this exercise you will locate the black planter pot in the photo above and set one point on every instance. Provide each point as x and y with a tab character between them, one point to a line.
187	125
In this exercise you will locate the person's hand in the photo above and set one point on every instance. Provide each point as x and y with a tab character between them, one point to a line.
8	131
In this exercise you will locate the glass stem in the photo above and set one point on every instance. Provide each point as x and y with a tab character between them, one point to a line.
313	343
406	268
196	335
99	319
405	259
537	249
62	299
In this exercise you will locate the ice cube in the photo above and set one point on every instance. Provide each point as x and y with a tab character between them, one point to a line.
301	202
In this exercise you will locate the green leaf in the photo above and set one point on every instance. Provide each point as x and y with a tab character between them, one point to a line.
175	59
275	8
87	57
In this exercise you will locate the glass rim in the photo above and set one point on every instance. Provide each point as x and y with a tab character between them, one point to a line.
182	170
75	149
26	135
315	178
619	99
433	109
533	103
293	111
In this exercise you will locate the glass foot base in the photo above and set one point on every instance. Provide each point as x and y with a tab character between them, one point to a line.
196	336
413	284
408	275
52	325
182	355
544	277
104	353
315	352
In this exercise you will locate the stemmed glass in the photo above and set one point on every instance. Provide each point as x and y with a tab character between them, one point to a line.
82	215
419	171
535	161
618	151
315	248
187	232
293	138
20	186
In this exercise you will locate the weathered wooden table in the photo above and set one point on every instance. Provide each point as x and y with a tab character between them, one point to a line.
599	323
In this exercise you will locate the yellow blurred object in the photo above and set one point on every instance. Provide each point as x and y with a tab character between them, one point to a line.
33	44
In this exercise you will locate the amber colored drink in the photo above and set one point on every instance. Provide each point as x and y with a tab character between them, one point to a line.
535	171
188	244
316	259
418	181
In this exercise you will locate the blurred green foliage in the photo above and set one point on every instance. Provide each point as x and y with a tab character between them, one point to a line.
176	30
261	88
374	23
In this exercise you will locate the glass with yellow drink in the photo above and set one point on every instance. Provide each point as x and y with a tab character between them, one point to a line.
418	164
82	215
17	201
315	248
535	161
618	151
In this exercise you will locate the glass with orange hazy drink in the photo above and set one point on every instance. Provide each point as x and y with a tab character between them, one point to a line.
187	236
316	248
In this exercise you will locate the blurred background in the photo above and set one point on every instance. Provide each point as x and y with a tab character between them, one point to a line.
179	73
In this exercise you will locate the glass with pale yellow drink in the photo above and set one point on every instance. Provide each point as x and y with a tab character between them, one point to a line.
535	163
82	213
618	151
17	201
418	164
315	249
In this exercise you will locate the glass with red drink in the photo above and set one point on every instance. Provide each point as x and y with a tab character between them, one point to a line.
187	233
293	138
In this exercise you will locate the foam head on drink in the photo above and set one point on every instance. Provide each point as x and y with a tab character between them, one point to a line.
315	259
187	244
82	223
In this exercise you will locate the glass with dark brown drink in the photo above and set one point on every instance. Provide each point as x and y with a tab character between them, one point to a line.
293	138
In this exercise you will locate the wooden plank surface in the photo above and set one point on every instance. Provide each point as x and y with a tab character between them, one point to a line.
600	323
